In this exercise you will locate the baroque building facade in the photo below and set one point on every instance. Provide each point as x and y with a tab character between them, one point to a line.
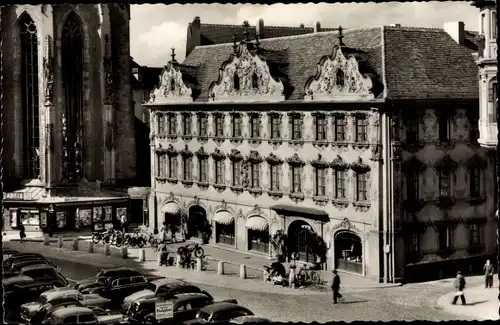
68	113
345	135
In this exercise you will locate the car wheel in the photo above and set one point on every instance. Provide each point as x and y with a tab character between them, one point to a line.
150	320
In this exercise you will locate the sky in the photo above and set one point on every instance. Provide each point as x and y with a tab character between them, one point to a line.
156	28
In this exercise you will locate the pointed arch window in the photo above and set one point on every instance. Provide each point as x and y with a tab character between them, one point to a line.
236	81
255	81
339	76
72	77
30	97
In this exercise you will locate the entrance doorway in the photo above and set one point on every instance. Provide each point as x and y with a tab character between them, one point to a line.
197	224
136	211
348	251
300	234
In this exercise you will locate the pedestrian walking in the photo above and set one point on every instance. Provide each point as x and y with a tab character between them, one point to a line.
488	274
291	276
22	232
459	286
336	287
123	220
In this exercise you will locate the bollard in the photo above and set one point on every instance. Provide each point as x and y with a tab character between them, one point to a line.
220	268
124	251
264	275
46	239
178	261
60	242
107	249
142	255
75	244
158	258
198	264
91	246
243	271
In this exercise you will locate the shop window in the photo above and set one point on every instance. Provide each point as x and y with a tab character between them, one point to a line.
321	127
360	129
13	218
258	240
474	234
61	219
445	237
219	172
340	184
275	177
29	218
236	125
225	234
108	213
186	124
83	218
320	174
340	122
203	169
348	251
275	127
255	127
236	173
361	187
475	182
202	125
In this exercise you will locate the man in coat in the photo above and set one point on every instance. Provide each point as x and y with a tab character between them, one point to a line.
488	274
459	286
336	286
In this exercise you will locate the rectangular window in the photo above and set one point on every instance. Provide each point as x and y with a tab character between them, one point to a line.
172	124
339	128
202	125
493	25
236	125
172	167
444	128
275	128
186	124
475	182
414	242
275	177
255	127
412	186
340	180
236	173
145	96
361	187
162	164
203	169
445	237
219	126
145	117
444	183
255	170
186	168
483	16
219	172
474	234
320	181
412	130
321	127
296	128
360	129
161	124
296	179
492	114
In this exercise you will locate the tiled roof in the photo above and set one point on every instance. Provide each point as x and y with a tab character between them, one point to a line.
412	63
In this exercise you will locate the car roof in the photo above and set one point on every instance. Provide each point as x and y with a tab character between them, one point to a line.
35	260
187	296
55	293
37	266
117	269
71	311
18	278
221	306
31	284
164	281
248	319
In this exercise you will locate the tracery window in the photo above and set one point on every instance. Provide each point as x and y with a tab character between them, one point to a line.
30	95
72	82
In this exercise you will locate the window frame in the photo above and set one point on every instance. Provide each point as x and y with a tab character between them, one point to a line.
219	126
321	127
444	128
340	122
361	178
186	124
275	127
274	181
255	174
254	127
320	174
219	172
412	129
474	229
203	169
475	182
237	124
161	124
361	129
413	186
447	231
342	183
172	124
161	161
296	183
202	125
187	170
444	174
172	167
296	128
236	166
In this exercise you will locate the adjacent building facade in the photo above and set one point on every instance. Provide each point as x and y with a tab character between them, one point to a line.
69	115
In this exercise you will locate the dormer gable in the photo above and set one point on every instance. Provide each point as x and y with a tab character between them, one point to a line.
171	88
245	77
338	78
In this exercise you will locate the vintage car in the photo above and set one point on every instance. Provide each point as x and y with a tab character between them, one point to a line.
19	279
41	313
21	293
249	319
116	289
7	263
152	289
44	273
8	253
17	265
87	300
219	313
102	275
78	315
185	307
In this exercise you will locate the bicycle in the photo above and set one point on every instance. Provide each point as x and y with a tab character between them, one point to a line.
190	249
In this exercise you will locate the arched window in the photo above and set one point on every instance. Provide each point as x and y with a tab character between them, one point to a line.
72	77
255	81
340	78
30	97
236	80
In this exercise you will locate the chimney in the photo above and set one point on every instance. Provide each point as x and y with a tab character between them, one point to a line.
318	27
259	28
456	29
193	35
395	25
301	25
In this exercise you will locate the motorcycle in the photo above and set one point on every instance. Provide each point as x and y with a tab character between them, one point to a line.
190	249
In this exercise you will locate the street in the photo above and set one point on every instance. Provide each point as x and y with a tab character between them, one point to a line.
406	303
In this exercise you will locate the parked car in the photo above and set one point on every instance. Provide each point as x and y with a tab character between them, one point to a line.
41	313
249	319
152	289
78	315
219	313
7	263
17	265
116	289
45	273
9	282
8	253
21	293
102	275
185	307
86	300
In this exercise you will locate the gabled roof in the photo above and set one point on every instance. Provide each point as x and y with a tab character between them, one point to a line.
411	63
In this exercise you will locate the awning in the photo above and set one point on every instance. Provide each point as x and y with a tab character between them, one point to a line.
223	217
297	211
257	223
171	208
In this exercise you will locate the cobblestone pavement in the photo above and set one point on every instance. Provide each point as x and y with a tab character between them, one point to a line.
409	302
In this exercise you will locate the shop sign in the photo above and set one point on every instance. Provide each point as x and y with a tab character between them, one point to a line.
164	310
14	196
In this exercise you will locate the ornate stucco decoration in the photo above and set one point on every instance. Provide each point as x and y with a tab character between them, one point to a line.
295	160
256	211
186	153
172	88
201	153
235	155
476	161
48	71
218	155
338	78
359	166
254	157
339	163
346	225
272	159
245	77
319	162
446	163
171	151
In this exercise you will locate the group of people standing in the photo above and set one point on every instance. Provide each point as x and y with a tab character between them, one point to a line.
489	271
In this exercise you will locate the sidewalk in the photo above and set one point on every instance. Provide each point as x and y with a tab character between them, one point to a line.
482	303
